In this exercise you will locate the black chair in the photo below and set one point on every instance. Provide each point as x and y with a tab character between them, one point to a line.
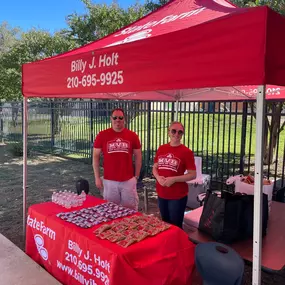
82	185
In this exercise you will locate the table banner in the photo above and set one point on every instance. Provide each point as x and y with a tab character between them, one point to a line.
76	256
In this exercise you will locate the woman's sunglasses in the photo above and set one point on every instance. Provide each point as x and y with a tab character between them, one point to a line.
180	132
117	117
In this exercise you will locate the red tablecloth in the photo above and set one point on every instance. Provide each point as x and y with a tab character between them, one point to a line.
76	256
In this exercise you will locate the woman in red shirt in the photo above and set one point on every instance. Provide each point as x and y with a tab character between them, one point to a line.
172	160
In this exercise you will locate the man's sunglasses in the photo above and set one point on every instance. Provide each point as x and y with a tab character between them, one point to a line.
117	117
180	132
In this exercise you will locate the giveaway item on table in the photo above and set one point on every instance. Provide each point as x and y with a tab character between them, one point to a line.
131	230
68	199
113	211
249	179
89	217
245	184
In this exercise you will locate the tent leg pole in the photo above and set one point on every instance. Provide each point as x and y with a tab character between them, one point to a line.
258	186
25	154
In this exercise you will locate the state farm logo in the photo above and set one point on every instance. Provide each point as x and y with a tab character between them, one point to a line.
144	29
169	162
40	226
135	37
40	246
118	145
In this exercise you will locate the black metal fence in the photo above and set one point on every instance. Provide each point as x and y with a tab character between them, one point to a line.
222	133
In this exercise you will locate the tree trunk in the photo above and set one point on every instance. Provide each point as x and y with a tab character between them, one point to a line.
274	127
271	130
15	112
61	107
56	117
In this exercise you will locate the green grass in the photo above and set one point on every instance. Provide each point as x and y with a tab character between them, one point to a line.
207	133
204	133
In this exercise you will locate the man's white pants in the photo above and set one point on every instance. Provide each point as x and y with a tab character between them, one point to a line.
122	193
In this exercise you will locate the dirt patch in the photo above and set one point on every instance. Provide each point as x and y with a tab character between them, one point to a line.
47	173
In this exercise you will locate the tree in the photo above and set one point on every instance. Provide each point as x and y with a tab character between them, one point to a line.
100	21
277	5
32	45
8	37
272	129
151	6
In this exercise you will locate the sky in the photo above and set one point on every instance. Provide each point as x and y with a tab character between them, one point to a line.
44	14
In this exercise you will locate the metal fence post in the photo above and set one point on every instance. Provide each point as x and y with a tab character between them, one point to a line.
173	112
243	138
91	129
52	124
148	137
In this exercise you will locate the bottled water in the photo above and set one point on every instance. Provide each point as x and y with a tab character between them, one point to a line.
64	200
53	196
68	203
79	200
72	201
68	199
60	201
83	195
56	198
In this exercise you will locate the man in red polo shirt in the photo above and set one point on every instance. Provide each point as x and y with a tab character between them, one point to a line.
118	146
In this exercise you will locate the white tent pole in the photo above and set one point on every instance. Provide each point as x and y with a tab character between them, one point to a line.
25	148
258	186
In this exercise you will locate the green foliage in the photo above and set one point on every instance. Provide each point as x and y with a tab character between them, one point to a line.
8	36
277	5
31	46
17	48
100	20
151	6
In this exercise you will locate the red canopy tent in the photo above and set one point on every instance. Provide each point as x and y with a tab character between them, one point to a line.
184	45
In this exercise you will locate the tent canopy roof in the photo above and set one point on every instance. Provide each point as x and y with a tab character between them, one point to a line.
174	16
185	44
